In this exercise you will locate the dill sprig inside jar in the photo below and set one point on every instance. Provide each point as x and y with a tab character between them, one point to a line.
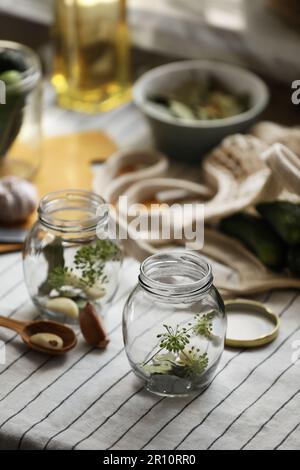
66	265
174	324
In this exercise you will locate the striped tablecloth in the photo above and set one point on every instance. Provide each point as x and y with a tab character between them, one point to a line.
91	400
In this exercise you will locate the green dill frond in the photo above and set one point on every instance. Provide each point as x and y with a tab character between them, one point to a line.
174	340
193	362
60	277
204	325
91	259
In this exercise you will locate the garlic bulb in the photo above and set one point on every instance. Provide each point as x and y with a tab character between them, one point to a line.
18	199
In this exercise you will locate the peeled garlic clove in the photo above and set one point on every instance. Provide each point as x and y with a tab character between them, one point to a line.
47	340
95	292
64	306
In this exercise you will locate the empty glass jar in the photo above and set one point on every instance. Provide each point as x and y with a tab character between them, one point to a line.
174	324
66	264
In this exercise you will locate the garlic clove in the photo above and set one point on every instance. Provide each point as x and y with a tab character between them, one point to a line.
92	327
96	292
47	340
64	306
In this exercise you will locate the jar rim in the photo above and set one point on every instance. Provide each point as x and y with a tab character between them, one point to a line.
53	205
175	259
32	74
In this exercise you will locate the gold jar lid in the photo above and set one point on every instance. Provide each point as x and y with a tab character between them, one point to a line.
250	324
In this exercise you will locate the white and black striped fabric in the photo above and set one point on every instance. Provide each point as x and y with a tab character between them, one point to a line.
90	399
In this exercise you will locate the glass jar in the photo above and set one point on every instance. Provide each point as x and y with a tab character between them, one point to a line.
20	110
66	264
174	324
92	58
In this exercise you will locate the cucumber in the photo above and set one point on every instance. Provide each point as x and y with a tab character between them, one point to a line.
258	236
284	217
293	260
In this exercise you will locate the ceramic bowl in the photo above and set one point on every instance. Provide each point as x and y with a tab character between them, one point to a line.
188	140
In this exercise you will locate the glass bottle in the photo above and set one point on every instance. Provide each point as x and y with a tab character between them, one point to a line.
66	264
92	60
174	324
20	110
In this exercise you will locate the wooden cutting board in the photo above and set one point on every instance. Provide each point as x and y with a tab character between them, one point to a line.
67	163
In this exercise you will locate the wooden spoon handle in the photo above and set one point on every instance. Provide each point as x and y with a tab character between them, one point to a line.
15	325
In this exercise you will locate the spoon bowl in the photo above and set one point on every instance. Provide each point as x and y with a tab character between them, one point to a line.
29	328
67	335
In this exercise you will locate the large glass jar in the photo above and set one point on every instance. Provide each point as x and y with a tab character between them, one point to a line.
69	259
174	324
20	110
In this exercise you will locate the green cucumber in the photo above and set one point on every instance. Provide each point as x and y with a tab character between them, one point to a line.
293	260
258	236
284	217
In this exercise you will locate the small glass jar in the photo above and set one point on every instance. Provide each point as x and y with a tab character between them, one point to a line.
174	324
20	110
66	264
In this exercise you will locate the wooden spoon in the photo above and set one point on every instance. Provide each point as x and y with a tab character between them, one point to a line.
29	328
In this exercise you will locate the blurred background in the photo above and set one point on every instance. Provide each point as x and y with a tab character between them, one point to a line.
262	35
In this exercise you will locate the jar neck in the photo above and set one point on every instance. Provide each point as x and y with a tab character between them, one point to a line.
176	275
29	66
73	212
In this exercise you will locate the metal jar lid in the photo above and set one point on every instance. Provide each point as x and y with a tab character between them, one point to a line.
264	322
